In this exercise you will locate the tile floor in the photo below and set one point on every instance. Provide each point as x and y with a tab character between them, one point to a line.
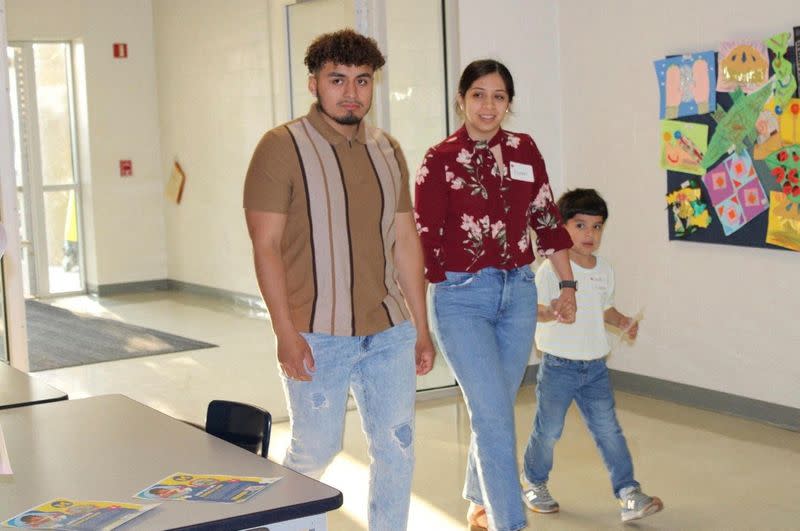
714	472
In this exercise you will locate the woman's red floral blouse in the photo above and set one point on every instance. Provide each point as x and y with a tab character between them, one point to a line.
473	213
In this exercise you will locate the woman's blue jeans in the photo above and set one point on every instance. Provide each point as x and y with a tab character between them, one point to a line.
560	381
485	323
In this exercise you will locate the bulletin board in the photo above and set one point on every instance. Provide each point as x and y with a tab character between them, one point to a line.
730	143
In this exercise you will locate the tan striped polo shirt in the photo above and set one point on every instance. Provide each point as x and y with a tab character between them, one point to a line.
340	197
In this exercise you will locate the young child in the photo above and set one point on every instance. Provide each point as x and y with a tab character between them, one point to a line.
573	365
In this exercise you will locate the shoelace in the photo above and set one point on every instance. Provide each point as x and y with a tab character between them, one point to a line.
541	490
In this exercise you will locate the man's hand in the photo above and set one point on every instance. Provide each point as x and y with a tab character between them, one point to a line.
564	306
295	357
425	353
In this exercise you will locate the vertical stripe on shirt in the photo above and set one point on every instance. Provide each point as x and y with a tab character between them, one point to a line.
387	170
349	244
327	206
311	231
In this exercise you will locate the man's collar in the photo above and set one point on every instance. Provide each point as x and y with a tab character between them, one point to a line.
332	135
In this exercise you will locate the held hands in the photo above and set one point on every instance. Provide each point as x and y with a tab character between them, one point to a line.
425	353
564	306
295	357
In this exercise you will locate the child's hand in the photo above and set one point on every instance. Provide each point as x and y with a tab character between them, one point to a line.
564	306
629	326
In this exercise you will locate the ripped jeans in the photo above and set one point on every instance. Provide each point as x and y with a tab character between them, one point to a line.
380	371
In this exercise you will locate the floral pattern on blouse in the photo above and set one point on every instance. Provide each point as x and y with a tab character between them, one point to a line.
473	212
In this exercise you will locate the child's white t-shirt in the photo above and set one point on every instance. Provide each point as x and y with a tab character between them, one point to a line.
586	338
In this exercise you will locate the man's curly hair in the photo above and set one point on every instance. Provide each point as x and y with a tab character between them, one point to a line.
343	47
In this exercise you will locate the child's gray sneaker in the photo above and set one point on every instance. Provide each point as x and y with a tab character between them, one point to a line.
537	497
636	504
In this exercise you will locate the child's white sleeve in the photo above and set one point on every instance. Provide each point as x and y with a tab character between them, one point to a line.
546	284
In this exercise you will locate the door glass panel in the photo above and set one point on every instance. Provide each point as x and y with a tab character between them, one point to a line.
417	100
27	247
417	89
306	21
52	100
47	187
62	241
14	94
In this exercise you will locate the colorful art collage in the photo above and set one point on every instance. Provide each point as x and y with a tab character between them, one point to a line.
730	142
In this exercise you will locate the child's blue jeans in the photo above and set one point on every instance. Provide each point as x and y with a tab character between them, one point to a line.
558	383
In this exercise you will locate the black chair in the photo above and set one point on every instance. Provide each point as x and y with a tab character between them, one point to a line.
241	424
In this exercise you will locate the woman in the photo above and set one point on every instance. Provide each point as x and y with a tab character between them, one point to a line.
477	194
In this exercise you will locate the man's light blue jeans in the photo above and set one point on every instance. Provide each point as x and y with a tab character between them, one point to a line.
560	381
380	371
485	323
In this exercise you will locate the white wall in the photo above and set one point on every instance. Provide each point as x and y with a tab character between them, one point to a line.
523	35
214	99
719	317
123	217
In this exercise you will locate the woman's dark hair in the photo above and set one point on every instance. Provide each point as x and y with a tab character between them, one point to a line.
343	47
582	201
480	68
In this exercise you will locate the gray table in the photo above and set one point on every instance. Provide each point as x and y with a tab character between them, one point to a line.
110	447
21	389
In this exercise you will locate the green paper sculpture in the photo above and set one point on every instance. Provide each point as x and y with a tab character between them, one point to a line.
784	84
736	126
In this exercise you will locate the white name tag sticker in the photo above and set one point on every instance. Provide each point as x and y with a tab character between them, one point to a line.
521	172
599	282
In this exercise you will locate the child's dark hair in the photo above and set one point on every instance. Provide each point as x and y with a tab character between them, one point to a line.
343	47
582	201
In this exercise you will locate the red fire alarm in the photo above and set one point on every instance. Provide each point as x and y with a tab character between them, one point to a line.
125	168
120	50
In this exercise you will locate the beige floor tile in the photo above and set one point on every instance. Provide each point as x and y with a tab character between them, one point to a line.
714	472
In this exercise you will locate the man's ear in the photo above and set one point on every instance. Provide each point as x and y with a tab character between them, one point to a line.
312	84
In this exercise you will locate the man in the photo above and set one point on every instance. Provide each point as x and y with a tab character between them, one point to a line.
329	213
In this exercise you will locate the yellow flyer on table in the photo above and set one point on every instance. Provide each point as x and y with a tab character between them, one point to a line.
63	513
206	487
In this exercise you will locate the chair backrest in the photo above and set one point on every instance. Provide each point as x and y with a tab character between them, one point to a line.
244	425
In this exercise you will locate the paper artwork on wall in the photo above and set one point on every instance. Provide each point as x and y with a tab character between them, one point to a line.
689	212
177	180
737	125
784	165
687	84
768	137
790	122
735	192
683	145
785	85
742	64
784	222
797	54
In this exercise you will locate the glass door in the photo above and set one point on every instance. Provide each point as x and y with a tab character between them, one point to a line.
45	164
304	22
